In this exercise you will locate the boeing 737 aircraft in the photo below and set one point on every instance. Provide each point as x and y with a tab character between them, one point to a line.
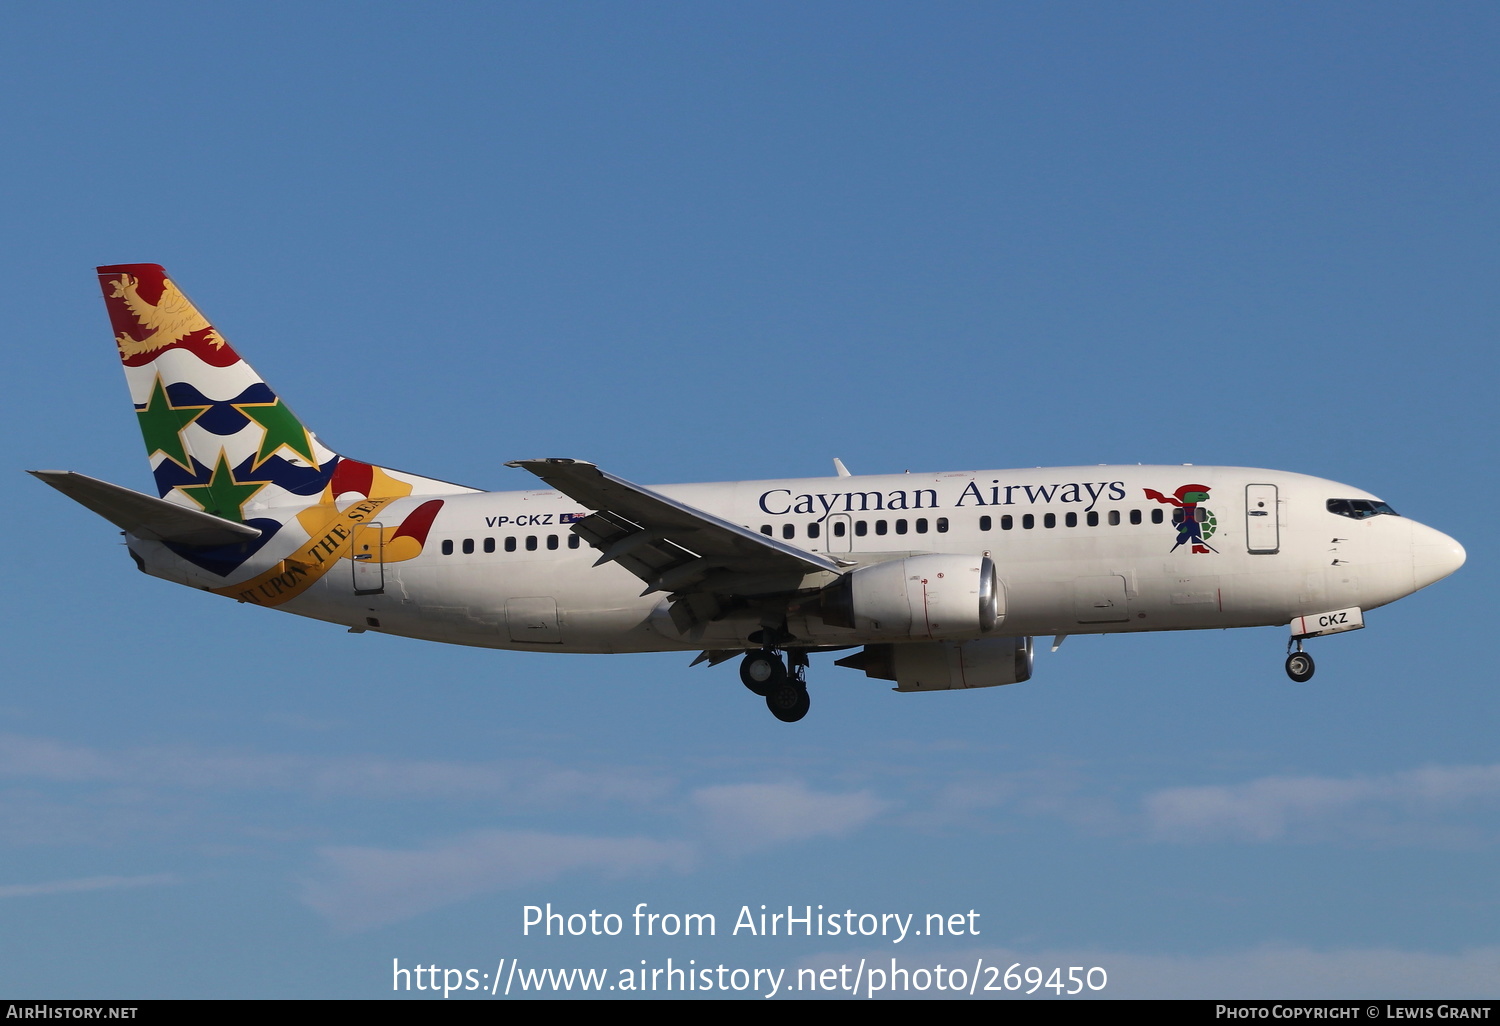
935	581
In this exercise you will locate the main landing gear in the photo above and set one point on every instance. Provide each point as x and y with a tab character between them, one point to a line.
782	685
1299	665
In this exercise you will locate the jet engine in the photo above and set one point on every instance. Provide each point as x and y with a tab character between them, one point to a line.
931	596
946	665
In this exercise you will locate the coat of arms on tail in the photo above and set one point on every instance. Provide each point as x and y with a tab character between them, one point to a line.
221	441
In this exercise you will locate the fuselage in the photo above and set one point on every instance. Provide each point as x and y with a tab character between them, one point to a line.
941	580
1078	550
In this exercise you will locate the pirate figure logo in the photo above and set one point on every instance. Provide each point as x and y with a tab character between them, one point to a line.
1195	525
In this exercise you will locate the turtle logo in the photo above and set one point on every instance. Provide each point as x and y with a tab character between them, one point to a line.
1194	524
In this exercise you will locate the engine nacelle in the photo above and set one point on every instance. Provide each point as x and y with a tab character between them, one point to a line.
946	665
933	596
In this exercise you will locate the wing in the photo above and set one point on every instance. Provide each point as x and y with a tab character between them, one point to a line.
704	562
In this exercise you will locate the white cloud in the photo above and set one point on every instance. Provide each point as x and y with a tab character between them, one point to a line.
1053	793
360	888
1414	806
88	883
1432	806
749	816
528	783
43	758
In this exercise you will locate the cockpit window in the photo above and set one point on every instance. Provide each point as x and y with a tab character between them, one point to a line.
1359	509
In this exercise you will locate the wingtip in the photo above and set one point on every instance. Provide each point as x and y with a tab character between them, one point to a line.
548	461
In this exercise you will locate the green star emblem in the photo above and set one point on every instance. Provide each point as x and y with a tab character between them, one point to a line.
282	429
223	495
162	425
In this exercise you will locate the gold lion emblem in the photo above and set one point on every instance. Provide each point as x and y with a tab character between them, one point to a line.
171	320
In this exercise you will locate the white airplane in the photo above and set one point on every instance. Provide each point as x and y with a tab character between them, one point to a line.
939	580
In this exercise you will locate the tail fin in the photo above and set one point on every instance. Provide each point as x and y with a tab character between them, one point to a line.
218	437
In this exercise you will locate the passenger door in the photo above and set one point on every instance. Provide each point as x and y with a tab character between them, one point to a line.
1262	519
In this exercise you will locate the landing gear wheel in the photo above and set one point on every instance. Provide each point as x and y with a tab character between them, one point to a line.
789	702
1299	667
762	672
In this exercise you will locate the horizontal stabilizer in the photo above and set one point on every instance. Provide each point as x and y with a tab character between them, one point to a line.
145	516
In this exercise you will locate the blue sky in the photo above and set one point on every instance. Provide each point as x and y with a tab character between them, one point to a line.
702	242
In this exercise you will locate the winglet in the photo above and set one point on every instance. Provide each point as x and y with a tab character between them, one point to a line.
838	465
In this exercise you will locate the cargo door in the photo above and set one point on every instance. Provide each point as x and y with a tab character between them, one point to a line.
1100	599
533	621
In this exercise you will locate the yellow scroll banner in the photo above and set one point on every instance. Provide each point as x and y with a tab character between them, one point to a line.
297	572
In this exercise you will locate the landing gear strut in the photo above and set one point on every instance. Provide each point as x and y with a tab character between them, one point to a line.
782	685
1299	665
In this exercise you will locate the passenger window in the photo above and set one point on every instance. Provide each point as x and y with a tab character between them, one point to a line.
985	523
789	531
765	529
489	545
942	525
1114	518
921	525
510	544
1007	522
1049	520
468	546
447	546
573	541
1135	516
1071	519
1028	521
901	527
861	528
838	529
551	541
880	527
1093	518
531	543
813	530
1156	516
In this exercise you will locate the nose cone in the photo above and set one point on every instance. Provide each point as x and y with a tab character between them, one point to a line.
1434	555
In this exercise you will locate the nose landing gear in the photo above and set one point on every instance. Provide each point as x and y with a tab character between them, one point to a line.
1299	665
782	685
